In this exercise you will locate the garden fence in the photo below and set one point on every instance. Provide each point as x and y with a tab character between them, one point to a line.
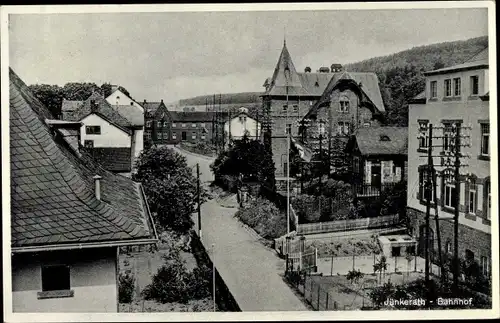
347	225
302	261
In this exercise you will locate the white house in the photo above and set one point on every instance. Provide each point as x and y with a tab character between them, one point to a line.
68	216
113	134
117	97
242	124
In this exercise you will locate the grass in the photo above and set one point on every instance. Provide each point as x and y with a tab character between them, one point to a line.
347	247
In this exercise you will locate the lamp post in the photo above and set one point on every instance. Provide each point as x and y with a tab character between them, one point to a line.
213	276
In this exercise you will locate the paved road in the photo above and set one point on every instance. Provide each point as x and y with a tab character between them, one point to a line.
250	270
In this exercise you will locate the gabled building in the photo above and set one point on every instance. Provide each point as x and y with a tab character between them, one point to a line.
379	159
288	96
118	98
157	122
453	95
113	134
241	124
69	216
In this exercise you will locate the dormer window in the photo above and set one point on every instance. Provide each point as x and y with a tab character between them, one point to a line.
384	138
344	104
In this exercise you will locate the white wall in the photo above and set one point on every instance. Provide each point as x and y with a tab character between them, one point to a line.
111	136
92	278
138	142
467	109
238	127
120	98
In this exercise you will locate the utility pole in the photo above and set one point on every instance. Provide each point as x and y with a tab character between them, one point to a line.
456	268
288	134
427	194
213	276
199	199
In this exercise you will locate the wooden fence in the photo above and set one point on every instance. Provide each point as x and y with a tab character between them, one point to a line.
346	225
302	261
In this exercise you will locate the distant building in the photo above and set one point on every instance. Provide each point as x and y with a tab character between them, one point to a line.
68	215
456	94
379	159
242	124
118	98
157	125
113	134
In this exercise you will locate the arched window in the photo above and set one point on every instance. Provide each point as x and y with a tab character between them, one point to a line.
344	104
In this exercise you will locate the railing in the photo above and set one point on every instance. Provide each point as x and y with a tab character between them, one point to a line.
302	261
368	190
346	225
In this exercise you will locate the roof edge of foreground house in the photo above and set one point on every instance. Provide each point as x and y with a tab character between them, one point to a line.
62	201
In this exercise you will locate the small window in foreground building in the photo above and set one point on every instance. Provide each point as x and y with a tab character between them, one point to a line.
88	144
93	130
55	278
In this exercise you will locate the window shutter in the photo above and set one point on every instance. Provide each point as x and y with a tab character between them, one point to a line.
368	172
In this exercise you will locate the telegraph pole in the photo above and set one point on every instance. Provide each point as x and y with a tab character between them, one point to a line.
199	199
427	194
456	267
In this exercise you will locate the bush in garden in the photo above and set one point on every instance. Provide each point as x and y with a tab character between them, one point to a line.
126	286
264	217
168	285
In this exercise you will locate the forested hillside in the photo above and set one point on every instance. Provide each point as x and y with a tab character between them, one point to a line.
401	74
226	98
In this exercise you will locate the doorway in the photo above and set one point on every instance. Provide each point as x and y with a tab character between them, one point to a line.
184	136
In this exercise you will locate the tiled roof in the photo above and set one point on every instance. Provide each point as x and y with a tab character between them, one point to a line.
103	109
370	141
151	107
196	116
315	83
113	159
69	108
52	190
133	114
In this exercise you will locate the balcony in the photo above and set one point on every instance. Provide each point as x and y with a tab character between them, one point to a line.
370	190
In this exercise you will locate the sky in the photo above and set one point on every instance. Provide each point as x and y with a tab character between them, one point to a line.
177	55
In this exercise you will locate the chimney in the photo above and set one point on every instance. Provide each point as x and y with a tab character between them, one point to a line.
161	100
307	69
93	106
97	185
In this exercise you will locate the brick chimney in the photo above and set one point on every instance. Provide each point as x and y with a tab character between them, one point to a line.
97	186
93	106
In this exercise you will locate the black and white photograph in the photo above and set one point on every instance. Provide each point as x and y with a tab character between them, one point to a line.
295	161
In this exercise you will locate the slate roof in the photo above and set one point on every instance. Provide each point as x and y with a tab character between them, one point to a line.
69	107
196	116
52	190
369	140
130	112
115	159
151	107
104	110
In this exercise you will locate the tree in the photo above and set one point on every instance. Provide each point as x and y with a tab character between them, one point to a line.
50	95
170	187
79	91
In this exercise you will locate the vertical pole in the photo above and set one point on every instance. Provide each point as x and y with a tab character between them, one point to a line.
213	276
287	162
199	199
331	267
457	206
427	188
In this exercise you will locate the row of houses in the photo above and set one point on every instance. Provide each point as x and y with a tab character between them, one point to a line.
313	107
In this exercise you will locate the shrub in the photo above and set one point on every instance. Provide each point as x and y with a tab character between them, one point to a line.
264	217
126	287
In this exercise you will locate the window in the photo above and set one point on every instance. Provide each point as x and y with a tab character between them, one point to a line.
88	143
288	128
457	86
202	125
447	137
165	135
321	128
311	103
174	125
295	108
165	123
55	278
183	125
344	104
193	125
93	130
285	168
469	255
148	124
147	135
472	199
174	135
426	189
433	89
396	251
488	210
450	195
448	247
485	267
423	136
474	85
343	128
159	124
447	87
285	108
193	135
203	136
485	139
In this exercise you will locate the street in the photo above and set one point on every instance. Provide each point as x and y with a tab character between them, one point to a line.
250	270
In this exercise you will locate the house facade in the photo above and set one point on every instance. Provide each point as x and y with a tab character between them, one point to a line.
241	124
113	134
453	95
117	97
157	122
68	218
378	159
